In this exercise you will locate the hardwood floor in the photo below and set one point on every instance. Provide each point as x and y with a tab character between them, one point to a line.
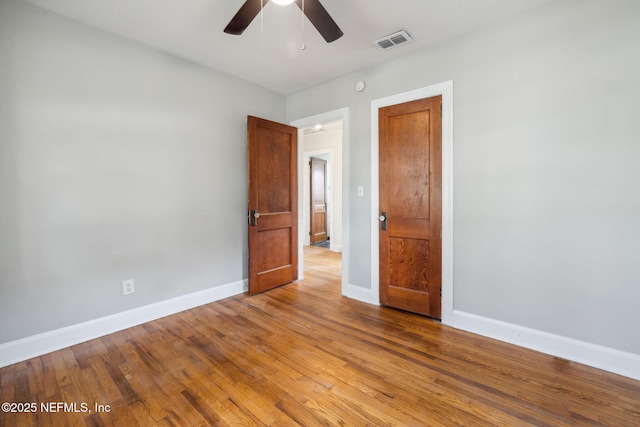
303	355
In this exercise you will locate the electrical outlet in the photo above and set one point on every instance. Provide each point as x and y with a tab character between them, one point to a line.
128	287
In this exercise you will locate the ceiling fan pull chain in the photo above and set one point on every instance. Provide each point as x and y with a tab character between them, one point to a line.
303	47
261	25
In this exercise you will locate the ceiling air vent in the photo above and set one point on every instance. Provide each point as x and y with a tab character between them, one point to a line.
393	40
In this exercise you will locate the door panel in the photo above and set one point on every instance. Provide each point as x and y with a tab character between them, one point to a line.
274	152
318	217
407	163
410	195
409	259
273	189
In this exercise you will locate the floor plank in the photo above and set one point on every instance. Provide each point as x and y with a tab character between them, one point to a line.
304	355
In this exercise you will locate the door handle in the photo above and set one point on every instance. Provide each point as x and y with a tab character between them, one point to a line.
253	217
383	220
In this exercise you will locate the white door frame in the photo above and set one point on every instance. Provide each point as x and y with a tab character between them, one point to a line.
340	114
446	90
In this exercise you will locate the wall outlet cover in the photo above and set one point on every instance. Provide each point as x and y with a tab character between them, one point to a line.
128	287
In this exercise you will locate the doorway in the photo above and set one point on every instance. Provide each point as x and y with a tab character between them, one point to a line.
322	149
323	144
325	136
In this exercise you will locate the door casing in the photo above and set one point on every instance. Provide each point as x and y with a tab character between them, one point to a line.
446	90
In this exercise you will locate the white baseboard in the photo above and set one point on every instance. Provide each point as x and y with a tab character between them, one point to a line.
37	345
362	294
597	356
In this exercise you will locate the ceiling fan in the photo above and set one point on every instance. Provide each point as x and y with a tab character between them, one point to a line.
313	10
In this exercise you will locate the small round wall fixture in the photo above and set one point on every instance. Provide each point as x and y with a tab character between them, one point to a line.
360	86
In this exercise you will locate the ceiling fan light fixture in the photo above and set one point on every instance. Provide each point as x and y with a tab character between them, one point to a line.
311	9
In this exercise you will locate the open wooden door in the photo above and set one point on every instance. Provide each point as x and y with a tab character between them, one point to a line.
410	150
318	215
273	204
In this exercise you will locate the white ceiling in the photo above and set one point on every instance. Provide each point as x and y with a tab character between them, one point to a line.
272	57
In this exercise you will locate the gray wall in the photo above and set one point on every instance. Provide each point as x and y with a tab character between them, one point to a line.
547	166
116	162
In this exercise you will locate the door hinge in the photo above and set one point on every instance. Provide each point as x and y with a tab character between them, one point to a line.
441	110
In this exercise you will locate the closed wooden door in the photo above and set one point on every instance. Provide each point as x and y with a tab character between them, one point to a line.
318	215
273	204
410	146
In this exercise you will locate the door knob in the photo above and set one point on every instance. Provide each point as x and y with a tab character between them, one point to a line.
383	220
254	217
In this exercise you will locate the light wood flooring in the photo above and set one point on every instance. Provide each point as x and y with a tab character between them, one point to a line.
304	355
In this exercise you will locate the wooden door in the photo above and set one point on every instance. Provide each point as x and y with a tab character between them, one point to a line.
318	215
410	147
273	204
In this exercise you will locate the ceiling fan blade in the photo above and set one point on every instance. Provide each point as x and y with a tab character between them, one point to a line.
244	16
321	19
